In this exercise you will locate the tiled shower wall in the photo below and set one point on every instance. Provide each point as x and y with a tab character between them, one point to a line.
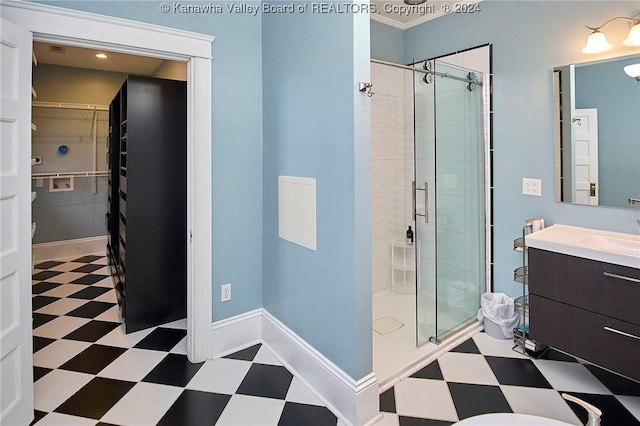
391	165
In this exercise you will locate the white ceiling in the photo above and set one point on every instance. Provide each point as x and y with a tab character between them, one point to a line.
78	57
397	14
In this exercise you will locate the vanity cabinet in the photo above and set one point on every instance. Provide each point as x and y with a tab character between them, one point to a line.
586	308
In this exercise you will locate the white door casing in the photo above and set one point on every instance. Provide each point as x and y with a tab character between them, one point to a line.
585	149
75	28
16	374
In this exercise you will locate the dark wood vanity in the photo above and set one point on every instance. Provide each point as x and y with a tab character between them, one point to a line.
587	308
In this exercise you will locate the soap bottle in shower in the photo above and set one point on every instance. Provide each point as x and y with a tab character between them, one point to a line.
409	235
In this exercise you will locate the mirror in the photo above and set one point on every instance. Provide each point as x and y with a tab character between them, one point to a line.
597	133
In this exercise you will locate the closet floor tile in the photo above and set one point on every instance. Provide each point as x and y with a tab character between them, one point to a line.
162	339
92	331
91	310
89	279
95	398
89	268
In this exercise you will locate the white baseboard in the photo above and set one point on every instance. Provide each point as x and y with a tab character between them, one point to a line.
354	402
70	248
233	334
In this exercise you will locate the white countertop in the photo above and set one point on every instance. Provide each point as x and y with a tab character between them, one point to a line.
604	246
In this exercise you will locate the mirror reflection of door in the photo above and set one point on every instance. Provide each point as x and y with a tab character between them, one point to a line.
585	133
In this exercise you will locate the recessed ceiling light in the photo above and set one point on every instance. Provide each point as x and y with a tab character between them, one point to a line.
101	56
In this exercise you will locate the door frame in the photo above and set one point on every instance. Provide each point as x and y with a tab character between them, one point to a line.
82	29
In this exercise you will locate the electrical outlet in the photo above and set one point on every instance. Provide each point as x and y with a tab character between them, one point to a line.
532	187
225	295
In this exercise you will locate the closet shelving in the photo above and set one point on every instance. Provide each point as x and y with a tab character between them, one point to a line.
147	185
34	95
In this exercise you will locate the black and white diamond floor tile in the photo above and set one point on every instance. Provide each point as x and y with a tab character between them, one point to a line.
483	375
88	371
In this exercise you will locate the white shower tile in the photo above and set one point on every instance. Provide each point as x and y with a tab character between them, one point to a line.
400	113
473	178
383	111
400	175
383	207
450	246
383	175
455	59
451	212
381	274
477	59
408	208
400	76
384	141
424	113
408	112
408	174
403	211
408	144
424	143
474	142
382	238
407	90
383	79
450	106
450	179
400	144
450	142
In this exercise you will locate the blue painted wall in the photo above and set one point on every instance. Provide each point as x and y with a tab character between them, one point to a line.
237	141
529	39
387	42
605	86
309	131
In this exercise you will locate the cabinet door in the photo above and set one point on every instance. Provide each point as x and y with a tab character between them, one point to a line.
596	338
595	286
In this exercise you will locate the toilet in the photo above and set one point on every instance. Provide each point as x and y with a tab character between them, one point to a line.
510	419
513	419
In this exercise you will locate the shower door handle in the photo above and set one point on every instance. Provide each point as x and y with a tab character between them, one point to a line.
426	202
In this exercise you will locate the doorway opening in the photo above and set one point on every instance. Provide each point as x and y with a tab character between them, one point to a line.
73	183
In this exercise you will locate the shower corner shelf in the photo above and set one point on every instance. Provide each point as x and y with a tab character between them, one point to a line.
403	267
522	343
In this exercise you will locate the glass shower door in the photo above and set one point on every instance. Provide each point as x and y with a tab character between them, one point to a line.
459	199
449	207
423	195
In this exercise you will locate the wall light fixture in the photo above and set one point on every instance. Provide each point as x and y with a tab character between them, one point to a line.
597	41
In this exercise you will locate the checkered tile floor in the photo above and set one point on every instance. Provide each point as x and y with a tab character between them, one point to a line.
483	375
88	372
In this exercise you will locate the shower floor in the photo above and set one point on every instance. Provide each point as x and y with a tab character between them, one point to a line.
394	351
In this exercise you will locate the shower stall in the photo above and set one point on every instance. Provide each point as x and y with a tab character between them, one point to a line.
444	200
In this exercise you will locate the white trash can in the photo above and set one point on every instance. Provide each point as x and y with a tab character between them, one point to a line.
498	313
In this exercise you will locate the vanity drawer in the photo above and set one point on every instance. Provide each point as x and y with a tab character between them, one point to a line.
583	334
604	288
